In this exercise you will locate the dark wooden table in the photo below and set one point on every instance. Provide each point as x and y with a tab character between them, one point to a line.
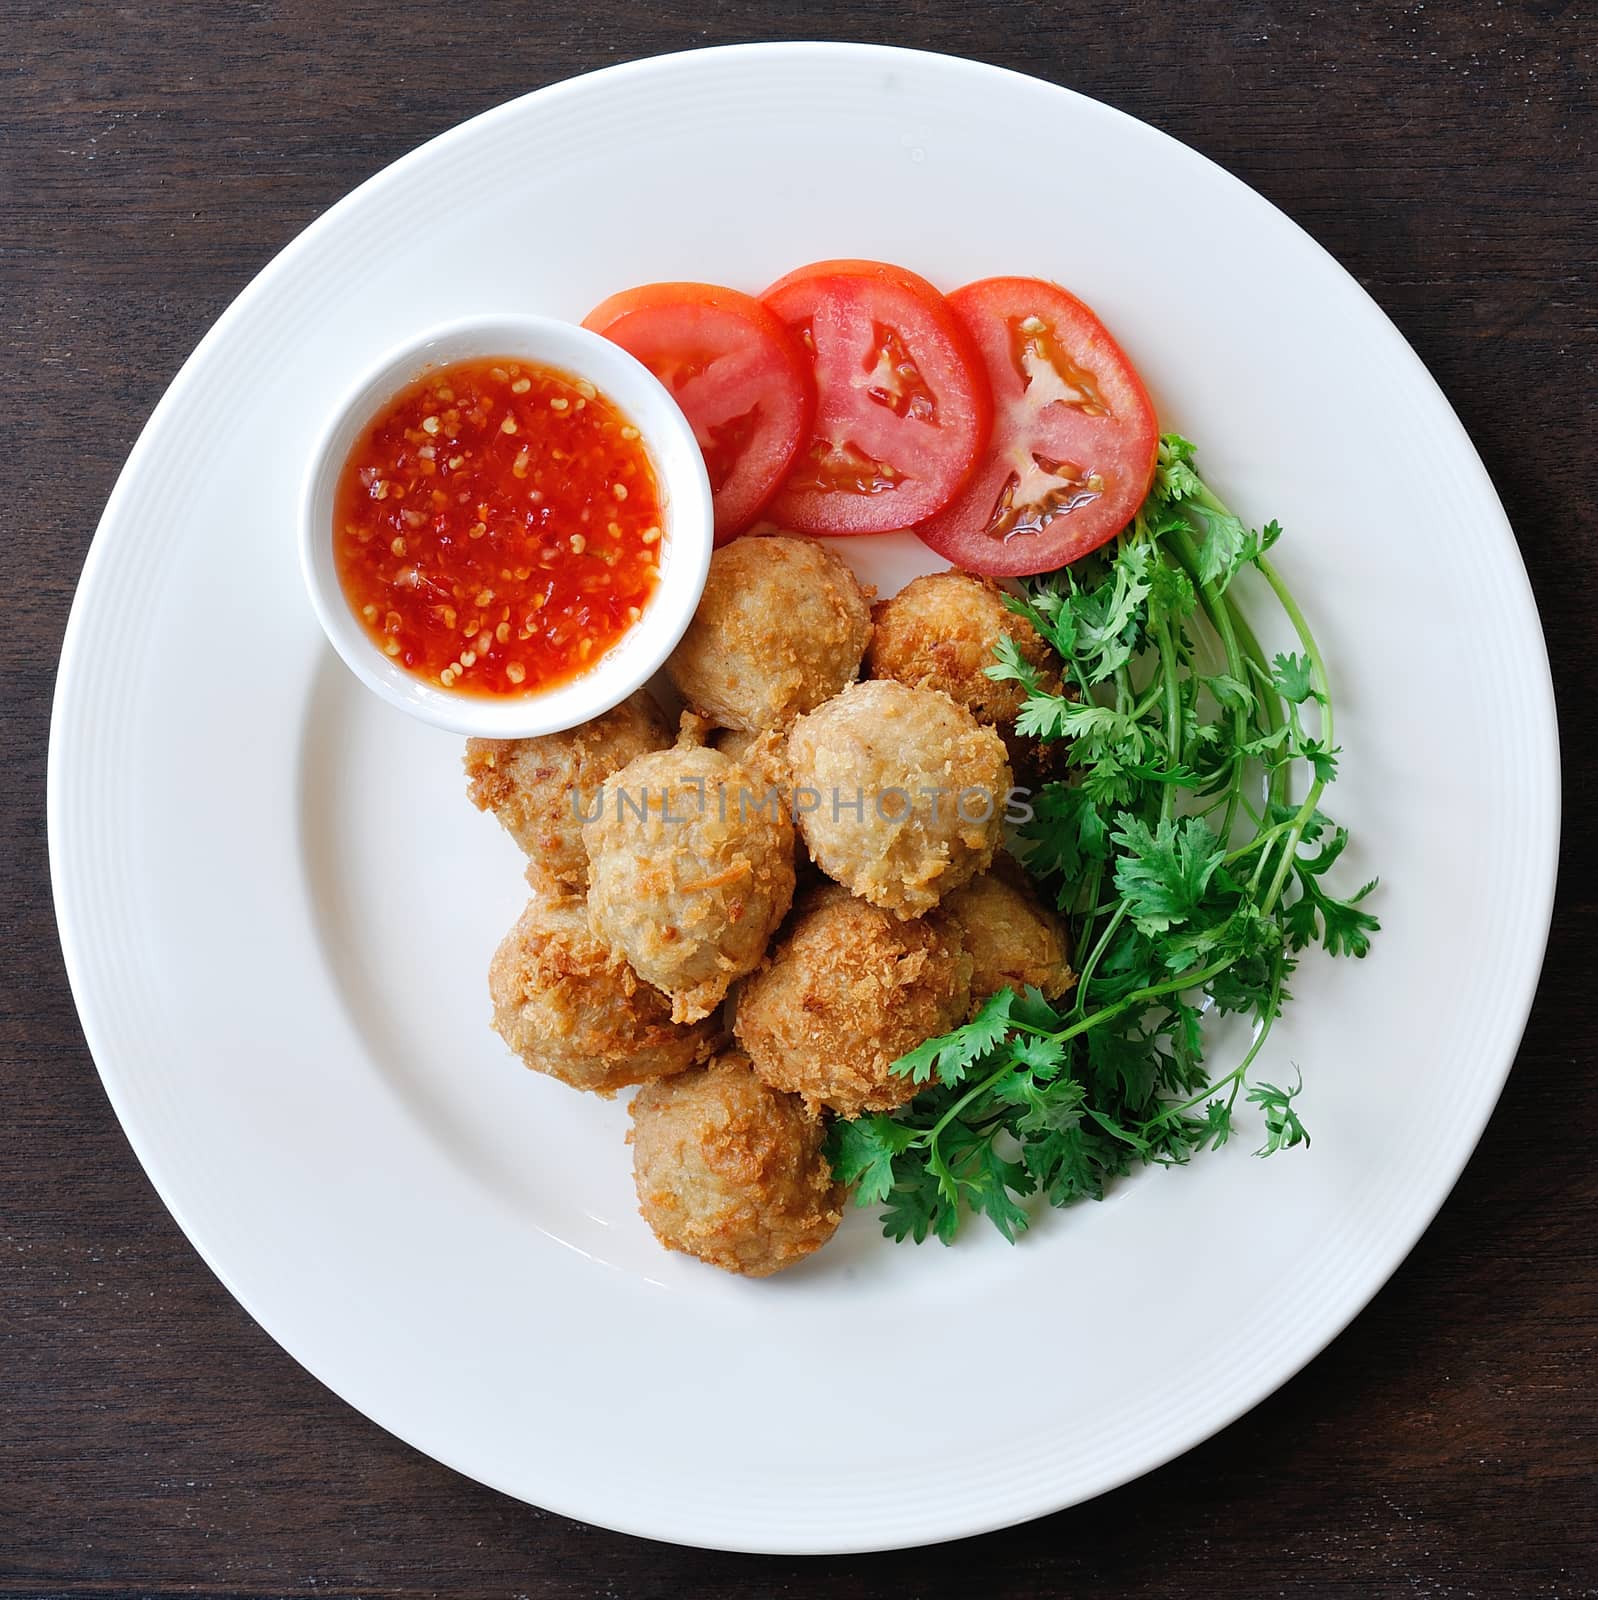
152	1440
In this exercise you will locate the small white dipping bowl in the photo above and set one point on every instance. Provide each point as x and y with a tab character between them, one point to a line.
686	532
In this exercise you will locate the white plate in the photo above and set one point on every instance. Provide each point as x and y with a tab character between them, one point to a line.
277	907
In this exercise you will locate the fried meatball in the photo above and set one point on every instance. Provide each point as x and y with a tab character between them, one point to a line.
688	875
848	991
540	788
1013	939
939	632
731	1171
570	1008
900	792
781	627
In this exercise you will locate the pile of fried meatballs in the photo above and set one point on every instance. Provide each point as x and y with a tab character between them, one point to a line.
754	918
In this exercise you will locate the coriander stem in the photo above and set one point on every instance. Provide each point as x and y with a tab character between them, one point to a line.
1218	609
1269	701
1307	639
1169	672
1095	878
1153	991
1149	700
1260	839
1085	977
930	1136
1317	786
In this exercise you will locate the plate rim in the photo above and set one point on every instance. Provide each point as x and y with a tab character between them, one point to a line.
1300	1349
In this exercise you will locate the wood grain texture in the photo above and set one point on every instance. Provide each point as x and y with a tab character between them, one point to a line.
152	1440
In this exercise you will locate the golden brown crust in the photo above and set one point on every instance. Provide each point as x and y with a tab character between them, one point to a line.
764	753
781	627
571	1009
1014	940
848	991
732	1172
766	756
909	792
691	890
939	632
529	784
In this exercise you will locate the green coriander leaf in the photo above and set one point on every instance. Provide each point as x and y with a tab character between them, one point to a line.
1255	542
1119	1133
1125	1066
1107	780
1272	748
1177	481
1043	1107
1180	776
862	1154
1067	833
949	1055
1047	716
1280	812
1174	1137
1294	678
1170	594
1319	864
1046	606
1073	719
1042	1057
1012	666
1131	962
1030	1010
1186	1031
1340	925
1230	693
1074	1163
1107	618
1222	550
1196	947
1302	920
1323	762
1174	478
944	1175
988	1189
915	1209
1283	1129
1253	982
1164	874
1217	1123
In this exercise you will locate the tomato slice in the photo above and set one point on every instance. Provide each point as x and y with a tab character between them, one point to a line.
738	375
1074	434
902	406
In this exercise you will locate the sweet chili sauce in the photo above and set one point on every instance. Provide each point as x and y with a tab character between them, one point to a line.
497	527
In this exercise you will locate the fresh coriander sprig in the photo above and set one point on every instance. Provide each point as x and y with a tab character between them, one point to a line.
1191	875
